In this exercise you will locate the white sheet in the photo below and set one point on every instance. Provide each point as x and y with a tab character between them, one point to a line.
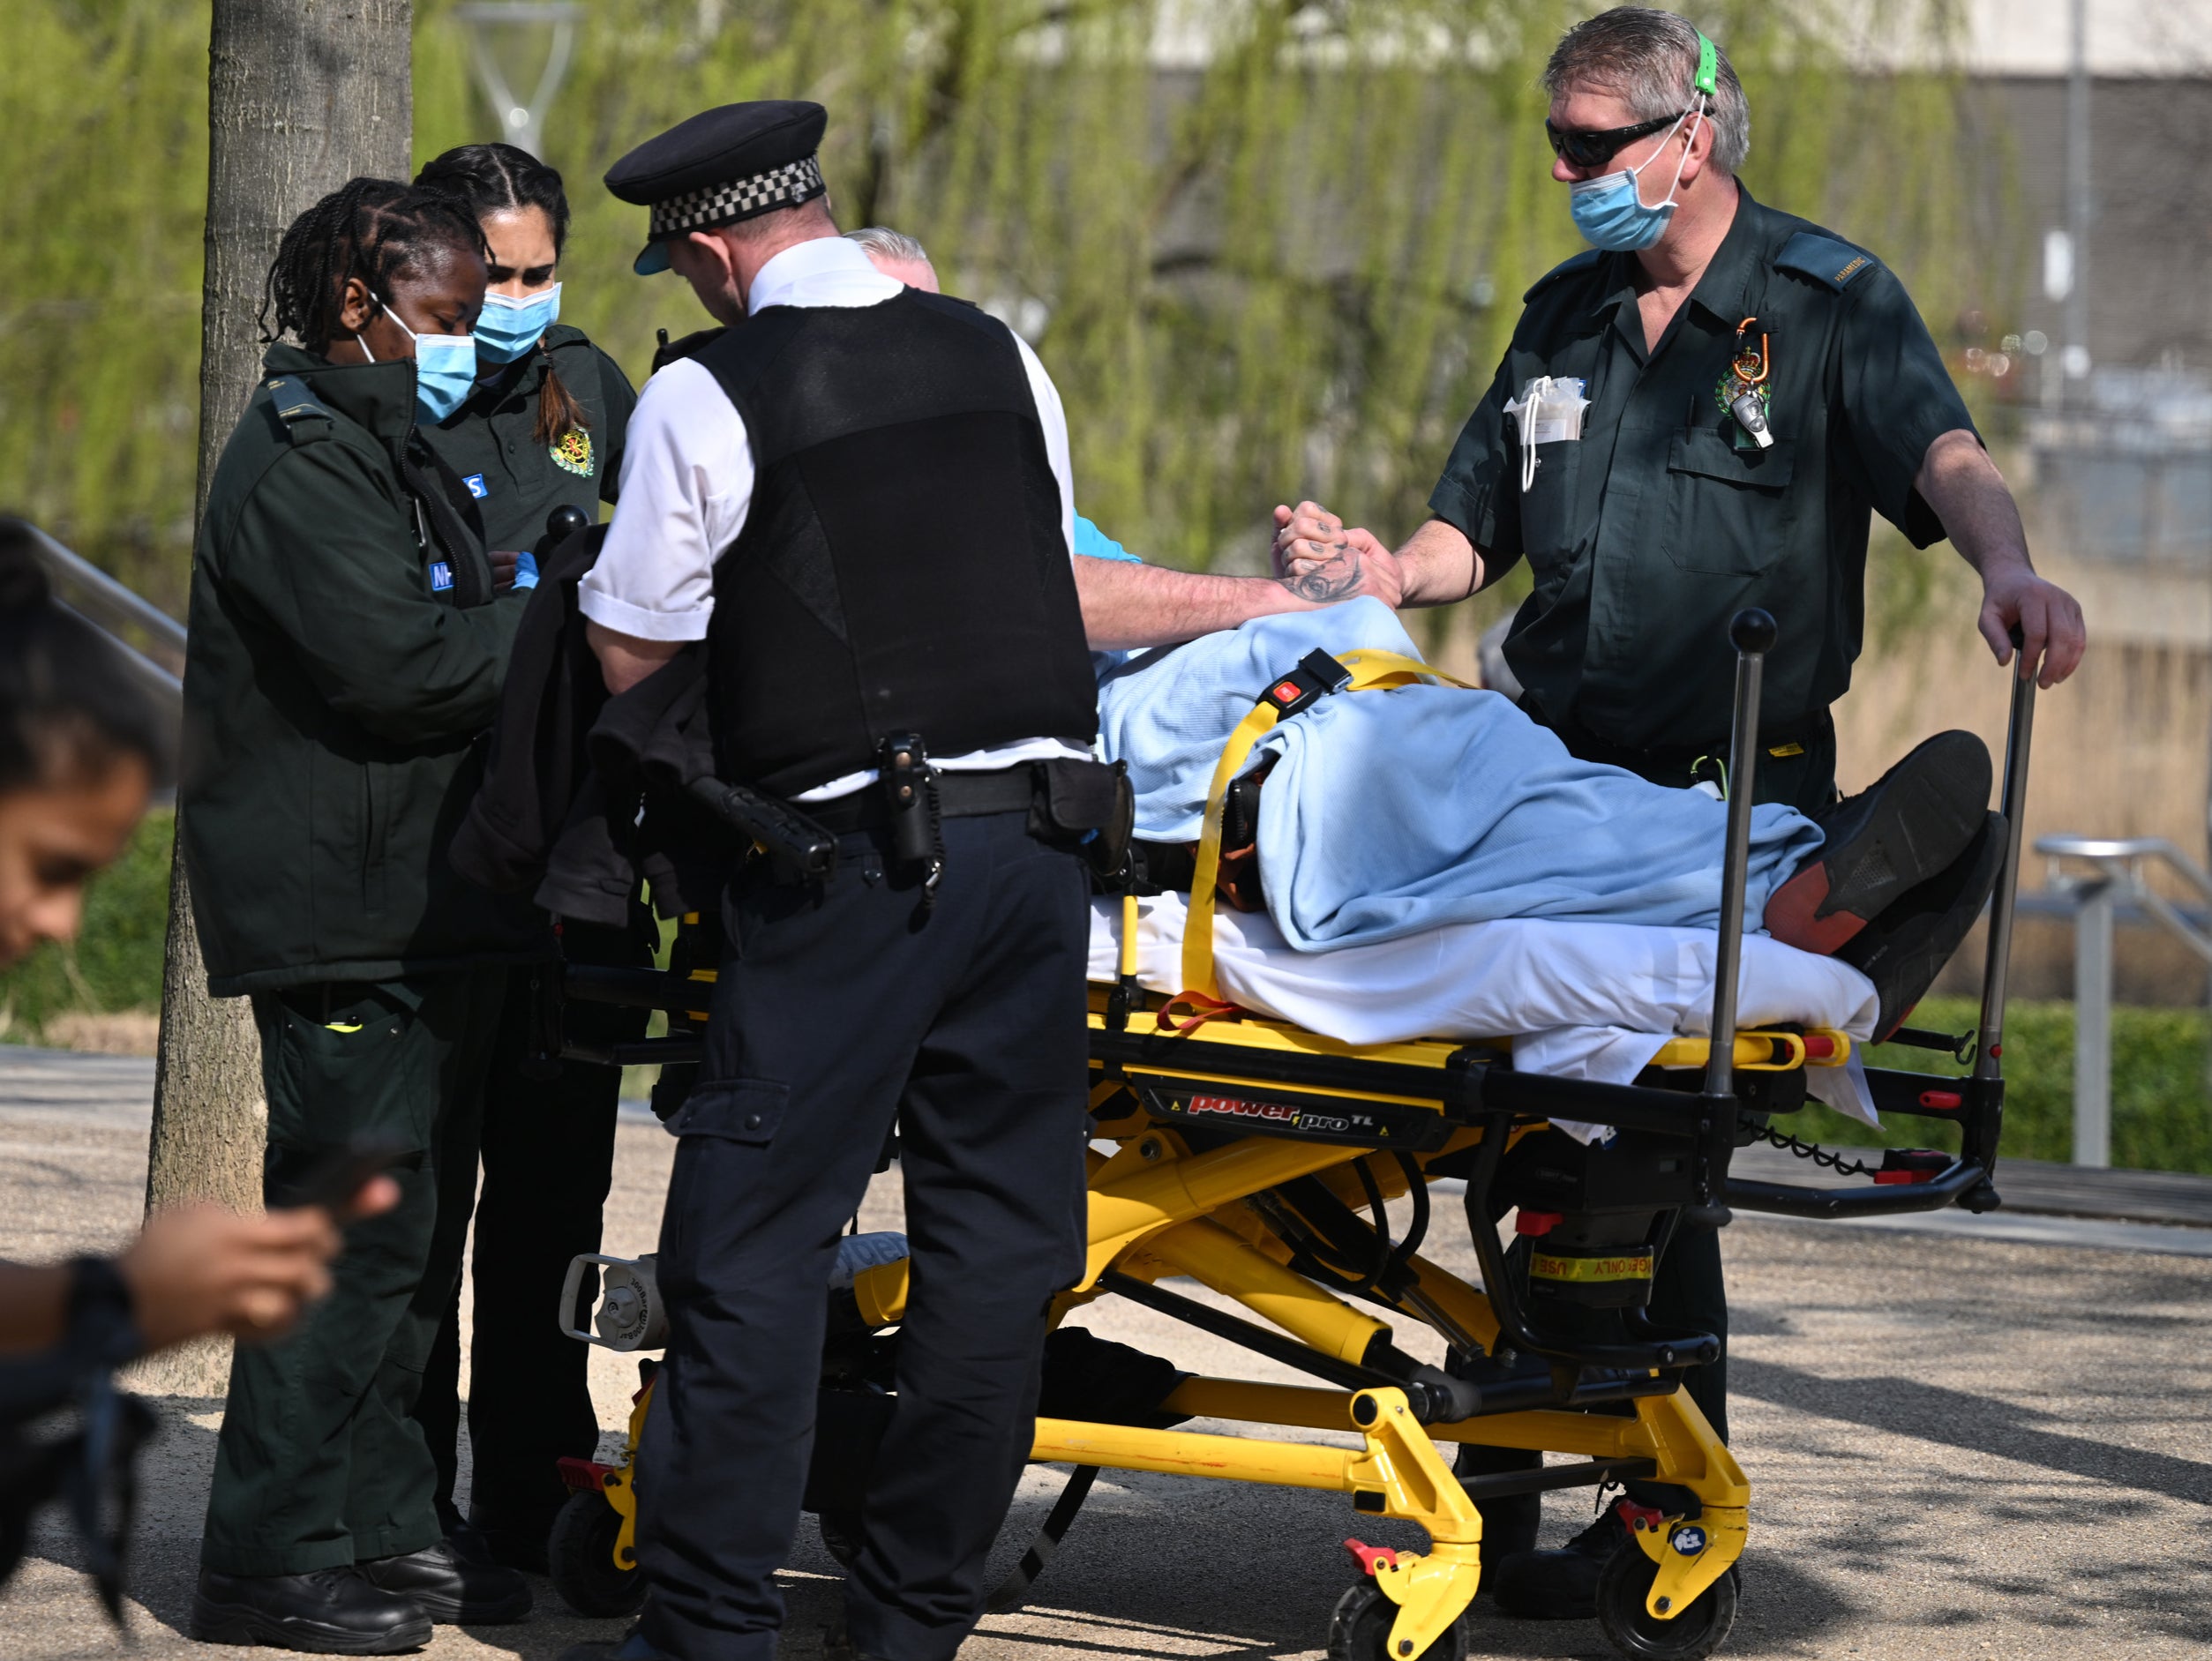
1578	1001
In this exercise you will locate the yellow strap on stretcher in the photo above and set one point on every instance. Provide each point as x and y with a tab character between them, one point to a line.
1370	671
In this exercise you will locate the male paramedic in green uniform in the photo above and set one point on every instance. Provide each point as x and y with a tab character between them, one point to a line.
1656	501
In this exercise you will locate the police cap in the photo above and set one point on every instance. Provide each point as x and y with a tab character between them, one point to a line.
720	166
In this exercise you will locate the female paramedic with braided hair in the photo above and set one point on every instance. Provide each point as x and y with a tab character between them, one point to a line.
348	641
543	429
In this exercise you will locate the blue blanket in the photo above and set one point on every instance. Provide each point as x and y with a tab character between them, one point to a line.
1393	812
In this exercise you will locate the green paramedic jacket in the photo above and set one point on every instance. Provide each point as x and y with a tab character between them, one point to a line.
334	699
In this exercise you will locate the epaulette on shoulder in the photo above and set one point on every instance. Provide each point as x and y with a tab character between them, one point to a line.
1582	261
1825	259
304	417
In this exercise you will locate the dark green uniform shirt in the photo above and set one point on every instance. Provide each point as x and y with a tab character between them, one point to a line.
1648	533
491	442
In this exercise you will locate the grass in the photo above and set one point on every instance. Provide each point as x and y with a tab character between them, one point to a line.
2162	1108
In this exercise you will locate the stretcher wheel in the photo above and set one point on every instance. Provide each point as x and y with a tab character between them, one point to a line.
579	1558
1360	1630
1623	1584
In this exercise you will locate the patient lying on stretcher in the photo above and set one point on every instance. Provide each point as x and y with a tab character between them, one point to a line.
1376	815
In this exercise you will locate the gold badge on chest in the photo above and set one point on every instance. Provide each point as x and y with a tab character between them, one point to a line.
573	452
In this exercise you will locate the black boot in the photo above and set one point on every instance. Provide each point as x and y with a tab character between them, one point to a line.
1561	1585
454	1590
324	1611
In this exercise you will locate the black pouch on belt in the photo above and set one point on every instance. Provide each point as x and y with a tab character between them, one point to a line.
1088	807
910	795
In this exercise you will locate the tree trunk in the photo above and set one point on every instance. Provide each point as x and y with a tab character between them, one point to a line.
302	95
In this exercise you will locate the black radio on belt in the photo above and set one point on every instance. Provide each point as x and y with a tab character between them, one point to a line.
910	795
1316	676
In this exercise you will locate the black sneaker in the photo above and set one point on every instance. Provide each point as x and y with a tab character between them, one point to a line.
324	1611
1561	1584
1902	830
1904	949
453	1591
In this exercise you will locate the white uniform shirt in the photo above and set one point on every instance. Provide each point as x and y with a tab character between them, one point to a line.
687	475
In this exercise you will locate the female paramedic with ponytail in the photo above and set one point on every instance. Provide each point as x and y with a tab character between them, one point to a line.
543	429
349	637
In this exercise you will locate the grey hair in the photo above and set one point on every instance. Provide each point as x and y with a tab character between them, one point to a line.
1648	59
882	240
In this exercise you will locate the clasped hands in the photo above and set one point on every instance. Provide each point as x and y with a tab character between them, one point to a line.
1318	559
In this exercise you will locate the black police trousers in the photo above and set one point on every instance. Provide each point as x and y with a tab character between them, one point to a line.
840	1008
548	1153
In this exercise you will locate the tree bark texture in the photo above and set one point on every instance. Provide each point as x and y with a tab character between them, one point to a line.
303	95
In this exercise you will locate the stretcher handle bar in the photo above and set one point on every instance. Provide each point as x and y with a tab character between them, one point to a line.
1753	634
2019	736
1959	1180
1630	1106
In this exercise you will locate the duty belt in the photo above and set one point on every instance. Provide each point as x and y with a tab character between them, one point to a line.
959	796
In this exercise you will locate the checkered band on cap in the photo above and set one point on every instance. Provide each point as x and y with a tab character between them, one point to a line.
738	198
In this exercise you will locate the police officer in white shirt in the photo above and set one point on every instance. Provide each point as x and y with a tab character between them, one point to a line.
859	501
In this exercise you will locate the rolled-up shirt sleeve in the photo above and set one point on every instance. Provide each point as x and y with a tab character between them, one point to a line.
686	486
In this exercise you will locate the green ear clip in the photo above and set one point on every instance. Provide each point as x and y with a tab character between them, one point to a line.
1708	78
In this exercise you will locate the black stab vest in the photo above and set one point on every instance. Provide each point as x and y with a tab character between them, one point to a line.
901	568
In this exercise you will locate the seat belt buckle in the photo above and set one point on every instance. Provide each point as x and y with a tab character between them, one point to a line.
1316	676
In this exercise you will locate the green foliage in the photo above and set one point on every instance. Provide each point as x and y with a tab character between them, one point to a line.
115	962
2162	1107
104	195
1279	245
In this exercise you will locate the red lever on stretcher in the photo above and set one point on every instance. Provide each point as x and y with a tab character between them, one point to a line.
1367	1556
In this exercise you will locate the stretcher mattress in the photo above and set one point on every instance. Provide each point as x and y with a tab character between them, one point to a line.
1579	1000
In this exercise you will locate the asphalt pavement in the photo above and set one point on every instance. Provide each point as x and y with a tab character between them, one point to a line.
1961	1445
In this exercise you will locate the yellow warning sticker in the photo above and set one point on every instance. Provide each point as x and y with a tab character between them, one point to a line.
1628	1266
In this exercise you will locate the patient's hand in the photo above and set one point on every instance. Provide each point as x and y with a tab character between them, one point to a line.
1319	560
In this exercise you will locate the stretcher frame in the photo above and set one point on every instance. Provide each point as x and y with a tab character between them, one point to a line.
1342	1126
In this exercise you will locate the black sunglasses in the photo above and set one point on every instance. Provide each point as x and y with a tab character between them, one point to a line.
1595	149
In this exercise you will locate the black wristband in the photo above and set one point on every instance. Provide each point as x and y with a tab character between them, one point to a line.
101	1328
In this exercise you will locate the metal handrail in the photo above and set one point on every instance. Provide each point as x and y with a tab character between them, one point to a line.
101	598
2123	865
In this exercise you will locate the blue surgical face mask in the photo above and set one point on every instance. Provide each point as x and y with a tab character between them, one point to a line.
508	327
1609	210
445	367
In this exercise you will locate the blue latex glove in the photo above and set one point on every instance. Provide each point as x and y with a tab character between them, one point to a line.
525	570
